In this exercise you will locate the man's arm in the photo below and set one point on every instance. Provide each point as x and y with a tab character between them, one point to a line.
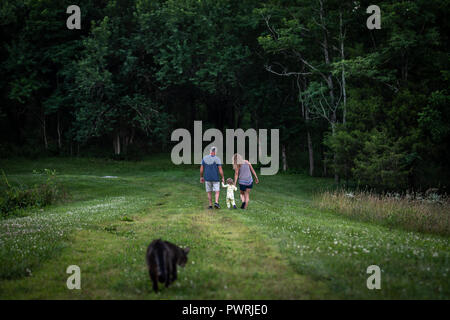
201	174
221	173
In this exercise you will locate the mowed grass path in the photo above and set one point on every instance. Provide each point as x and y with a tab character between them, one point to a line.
281	248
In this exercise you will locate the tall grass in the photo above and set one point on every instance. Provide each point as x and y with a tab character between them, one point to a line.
428	212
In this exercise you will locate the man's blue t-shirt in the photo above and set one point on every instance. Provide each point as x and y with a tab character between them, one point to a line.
211	167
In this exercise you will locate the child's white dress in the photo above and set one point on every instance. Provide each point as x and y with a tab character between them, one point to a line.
230	194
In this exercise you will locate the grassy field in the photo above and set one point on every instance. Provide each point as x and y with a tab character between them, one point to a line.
282	247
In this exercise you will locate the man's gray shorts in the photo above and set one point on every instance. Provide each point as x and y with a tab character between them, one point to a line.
212	186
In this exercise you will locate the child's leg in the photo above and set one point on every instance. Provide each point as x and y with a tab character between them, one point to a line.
232	202
228	203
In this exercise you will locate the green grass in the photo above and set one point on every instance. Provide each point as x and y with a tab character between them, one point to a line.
283	247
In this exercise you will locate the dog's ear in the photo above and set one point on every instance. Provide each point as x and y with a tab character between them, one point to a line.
186	250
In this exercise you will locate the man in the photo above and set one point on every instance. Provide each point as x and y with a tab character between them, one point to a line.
209	174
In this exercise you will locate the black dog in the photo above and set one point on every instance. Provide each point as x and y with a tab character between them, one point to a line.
162	259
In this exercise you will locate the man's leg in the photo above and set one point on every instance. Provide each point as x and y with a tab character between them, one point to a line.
209	198
216	189
217	196
216	204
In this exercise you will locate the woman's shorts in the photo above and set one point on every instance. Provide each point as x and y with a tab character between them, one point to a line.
244	187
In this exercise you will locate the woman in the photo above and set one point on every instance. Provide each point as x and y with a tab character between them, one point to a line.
243	169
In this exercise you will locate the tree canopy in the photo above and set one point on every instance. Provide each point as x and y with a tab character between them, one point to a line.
367	106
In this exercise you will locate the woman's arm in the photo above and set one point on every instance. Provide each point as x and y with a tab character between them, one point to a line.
254	173
236	173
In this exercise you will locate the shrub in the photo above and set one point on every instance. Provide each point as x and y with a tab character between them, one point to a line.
371	159
344	147
381	164
14	199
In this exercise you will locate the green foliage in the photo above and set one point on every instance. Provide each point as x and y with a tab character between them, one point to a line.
346	146
14	199
372	159
434	118
381	163
138	69
194	42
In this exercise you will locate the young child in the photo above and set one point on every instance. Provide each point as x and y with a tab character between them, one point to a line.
231	188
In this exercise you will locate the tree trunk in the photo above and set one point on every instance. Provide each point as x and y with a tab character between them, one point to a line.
58	129
344	91
336	176
310	153
127	140
133	131
283	155
116	144
44	131
327	57
309	141
333	132
330	83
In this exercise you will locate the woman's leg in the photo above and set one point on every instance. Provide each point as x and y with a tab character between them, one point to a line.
242	194
247	197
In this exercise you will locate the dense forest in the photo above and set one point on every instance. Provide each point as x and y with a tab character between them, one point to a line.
369	107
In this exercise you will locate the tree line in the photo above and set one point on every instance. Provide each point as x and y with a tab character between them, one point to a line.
369	107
